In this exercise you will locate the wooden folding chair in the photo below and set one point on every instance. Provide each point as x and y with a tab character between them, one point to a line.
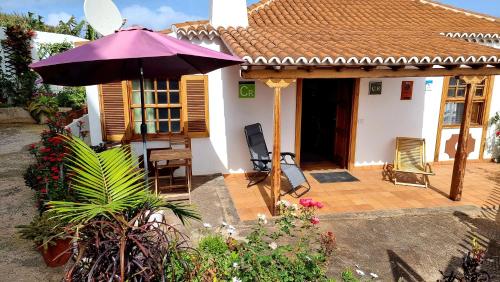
410	159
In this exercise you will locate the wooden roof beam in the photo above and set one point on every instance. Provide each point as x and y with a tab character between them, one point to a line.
334	72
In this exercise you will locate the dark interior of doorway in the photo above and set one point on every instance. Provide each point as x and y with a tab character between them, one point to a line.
326	122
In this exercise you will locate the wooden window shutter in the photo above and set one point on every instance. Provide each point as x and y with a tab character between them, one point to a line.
194	95
114	111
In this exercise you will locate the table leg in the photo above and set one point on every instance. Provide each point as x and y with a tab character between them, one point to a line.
156	178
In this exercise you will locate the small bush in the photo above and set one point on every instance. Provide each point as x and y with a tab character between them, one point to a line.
73	97
289	250
213	244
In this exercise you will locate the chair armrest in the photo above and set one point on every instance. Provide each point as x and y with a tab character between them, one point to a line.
260	160
288	154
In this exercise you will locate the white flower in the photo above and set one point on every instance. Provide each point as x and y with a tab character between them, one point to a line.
262	218
283	202
235	264
236	279
373	275
224	223
207	225
360	272
231	230
295	207
273	245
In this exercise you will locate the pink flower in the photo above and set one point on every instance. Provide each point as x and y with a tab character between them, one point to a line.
315	220
306	202
319	205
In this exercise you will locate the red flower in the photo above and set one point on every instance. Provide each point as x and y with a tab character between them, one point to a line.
32	146
315	220
55	177
306	202
498	133
43	190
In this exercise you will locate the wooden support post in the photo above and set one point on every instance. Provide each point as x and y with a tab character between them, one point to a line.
277	85
457	181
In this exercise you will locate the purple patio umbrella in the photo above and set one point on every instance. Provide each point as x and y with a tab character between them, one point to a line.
133	53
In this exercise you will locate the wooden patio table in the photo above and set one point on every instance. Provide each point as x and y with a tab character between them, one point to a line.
173	158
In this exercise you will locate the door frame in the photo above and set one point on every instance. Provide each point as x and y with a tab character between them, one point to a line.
351	154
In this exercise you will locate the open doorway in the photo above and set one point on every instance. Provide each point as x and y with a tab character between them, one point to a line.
326	122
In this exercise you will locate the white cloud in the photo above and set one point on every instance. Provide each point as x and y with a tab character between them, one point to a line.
54	18
157	19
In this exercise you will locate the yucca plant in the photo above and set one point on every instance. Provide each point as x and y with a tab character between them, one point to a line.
113	217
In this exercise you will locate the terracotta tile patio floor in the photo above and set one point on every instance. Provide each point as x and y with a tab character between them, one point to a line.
373	192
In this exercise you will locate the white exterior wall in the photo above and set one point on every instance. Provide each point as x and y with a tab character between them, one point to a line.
382	118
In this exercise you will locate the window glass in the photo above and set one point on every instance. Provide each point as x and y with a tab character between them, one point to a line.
455	99
161	117
161	85
174	98
175	113
174	85
453	113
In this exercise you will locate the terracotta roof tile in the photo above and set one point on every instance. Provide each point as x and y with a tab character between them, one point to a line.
335	32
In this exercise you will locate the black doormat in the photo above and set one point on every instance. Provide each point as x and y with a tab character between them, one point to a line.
334	177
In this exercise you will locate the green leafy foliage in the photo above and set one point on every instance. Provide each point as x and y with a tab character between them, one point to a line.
43	230
289	250
28	21
121	229
43	104
73	97
48	176
348	276
107	184
71	26
18	81
46	50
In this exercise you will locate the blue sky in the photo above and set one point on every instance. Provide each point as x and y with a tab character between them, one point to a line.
160	14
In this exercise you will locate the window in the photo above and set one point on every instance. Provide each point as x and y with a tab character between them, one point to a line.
455	102
163	106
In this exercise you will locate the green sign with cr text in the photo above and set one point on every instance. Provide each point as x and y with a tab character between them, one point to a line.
247	89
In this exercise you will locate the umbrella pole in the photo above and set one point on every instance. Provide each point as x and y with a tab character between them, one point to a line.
144	129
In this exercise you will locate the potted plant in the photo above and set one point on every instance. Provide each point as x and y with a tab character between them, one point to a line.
50	238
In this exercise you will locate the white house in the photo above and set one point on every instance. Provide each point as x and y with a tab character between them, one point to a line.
362	73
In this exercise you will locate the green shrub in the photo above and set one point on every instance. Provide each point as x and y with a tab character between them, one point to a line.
288	250
348	276
43	104
73	97
213	244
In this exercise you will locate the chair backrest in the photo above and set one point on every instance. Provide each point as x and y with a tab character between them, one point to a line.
410	153
257	146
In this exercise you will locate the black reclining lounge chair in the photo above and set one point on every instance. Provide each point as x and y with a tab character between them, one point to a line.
261	160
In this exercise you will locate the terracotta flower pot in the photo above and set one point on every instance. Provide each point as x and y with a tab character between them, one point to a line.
58	254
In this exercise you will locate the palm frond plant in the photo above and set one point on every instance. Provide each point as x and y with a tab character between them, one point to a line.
120	235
